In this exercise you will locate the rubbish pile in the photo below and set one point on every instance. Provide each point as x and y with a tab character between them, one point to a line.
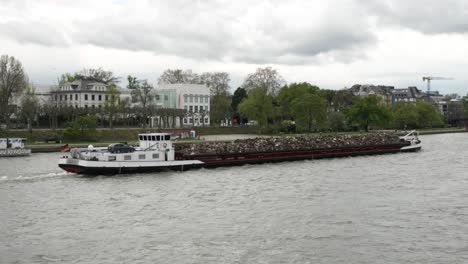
288	143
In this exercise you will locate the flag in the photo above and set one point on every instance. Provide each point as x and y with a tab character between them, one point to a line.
64	148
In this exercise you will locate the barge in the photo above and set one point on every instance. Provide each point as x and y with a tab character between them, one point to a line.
156	152
13	147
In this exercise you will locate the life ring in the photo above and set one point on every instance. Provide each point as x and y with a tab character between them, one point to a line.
164	145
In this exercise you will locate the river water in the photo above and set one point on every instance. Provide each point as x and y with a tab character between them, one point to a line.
396	208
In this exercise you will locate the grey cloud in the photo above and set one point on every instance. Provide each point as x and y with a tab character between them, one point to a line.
427	16
33	32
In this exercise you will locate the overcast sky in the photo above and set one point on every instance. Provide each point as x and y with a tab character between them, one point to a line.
332	44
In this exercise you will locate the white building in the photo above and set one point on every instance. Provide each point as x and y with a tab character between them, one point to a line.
195	98
80	94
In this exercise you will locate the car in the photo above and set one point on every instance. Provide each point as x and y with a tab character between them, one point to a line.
120	148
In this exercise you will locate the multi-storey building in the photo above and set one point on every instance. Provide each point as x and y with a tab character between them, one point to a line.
410	94
80	94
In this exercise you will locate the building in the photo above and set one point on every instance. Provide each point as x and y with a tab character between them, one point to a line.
194	98
381	91
80	94
410	94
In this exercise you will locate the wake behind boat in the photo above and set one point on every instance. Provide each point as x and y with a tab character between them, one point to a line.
156	152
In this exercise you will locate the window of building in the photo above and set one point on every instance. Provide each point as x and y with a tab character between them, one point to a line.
196	99
185	107
206	99
128	157
191	98
55	97
71	97
99	106
166	98
206	120
191	108
85	106
76	97
141	156
185	120
156	97
92	97
100	97
201	108
60	97
86	97
185	98
196	108
107	97
155	155
190	120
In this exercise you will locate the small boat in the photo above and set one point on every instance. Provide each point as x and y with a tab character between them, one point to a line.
156	152
13	147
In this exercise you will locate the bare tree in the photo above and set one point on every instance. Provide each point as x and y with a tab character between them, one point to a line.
218	82
13	81
29	107
178	76
141	93
267	78
111	104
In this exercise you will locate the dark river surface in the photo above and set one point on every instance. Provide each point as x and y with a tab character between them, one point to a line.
396	208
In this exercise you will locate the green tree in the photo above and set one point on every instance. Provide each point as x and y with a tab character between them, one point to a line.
13	81
428	116
367	111
309	111
239	95
336	121
30	107
288	93
257	106
82	128
220	108
404	115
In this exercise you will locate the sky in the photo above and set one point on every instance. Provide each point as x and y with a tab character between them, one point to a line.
332	44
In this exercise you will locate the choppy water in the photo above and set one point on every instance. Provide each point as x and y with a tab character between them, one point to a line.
399	208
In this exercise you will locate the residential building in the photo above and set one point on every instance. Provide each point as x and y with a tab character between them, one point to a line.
381	91
410	94
80	94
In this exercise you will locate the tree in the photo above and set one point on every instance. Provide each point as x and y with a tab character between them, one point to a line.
289	93
218	82
141	94
95	75
29	107
257	106
82	128
336	121
13	81
342	100
428	116
328	95
367	111
219	108
178	76
308	111
238	96
404	115
267	78
111	104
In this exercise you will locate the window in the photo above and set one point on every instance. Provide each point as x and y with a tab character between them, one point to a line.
206	99
65	97
99	106
153	138
60	97
85	106
111	158
76	97
196	99
92	97
158	138
156	97
167	137
206	120
166	98
128	157
142	156
201	108
107	98
185	107
191	108
100	97
190	120
71	97
55	97
86	97
185	120
141	137
191	98
145	138
155	155
196	108
185	98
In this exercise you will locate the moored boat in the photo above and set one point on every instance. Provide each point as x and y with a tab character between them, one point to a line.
13	147
156	152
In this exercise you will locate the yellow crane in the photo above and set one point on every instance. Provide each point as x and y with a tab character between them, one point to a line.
429	79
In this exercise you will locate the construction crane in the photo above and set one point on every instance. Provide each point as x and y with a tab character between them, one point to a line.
429	79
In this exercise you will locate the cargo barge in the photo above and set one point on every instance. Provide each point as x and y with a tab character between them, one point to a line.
156	152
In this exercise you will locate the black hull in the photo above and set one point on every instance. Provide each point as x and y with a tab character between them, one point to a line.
214	161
